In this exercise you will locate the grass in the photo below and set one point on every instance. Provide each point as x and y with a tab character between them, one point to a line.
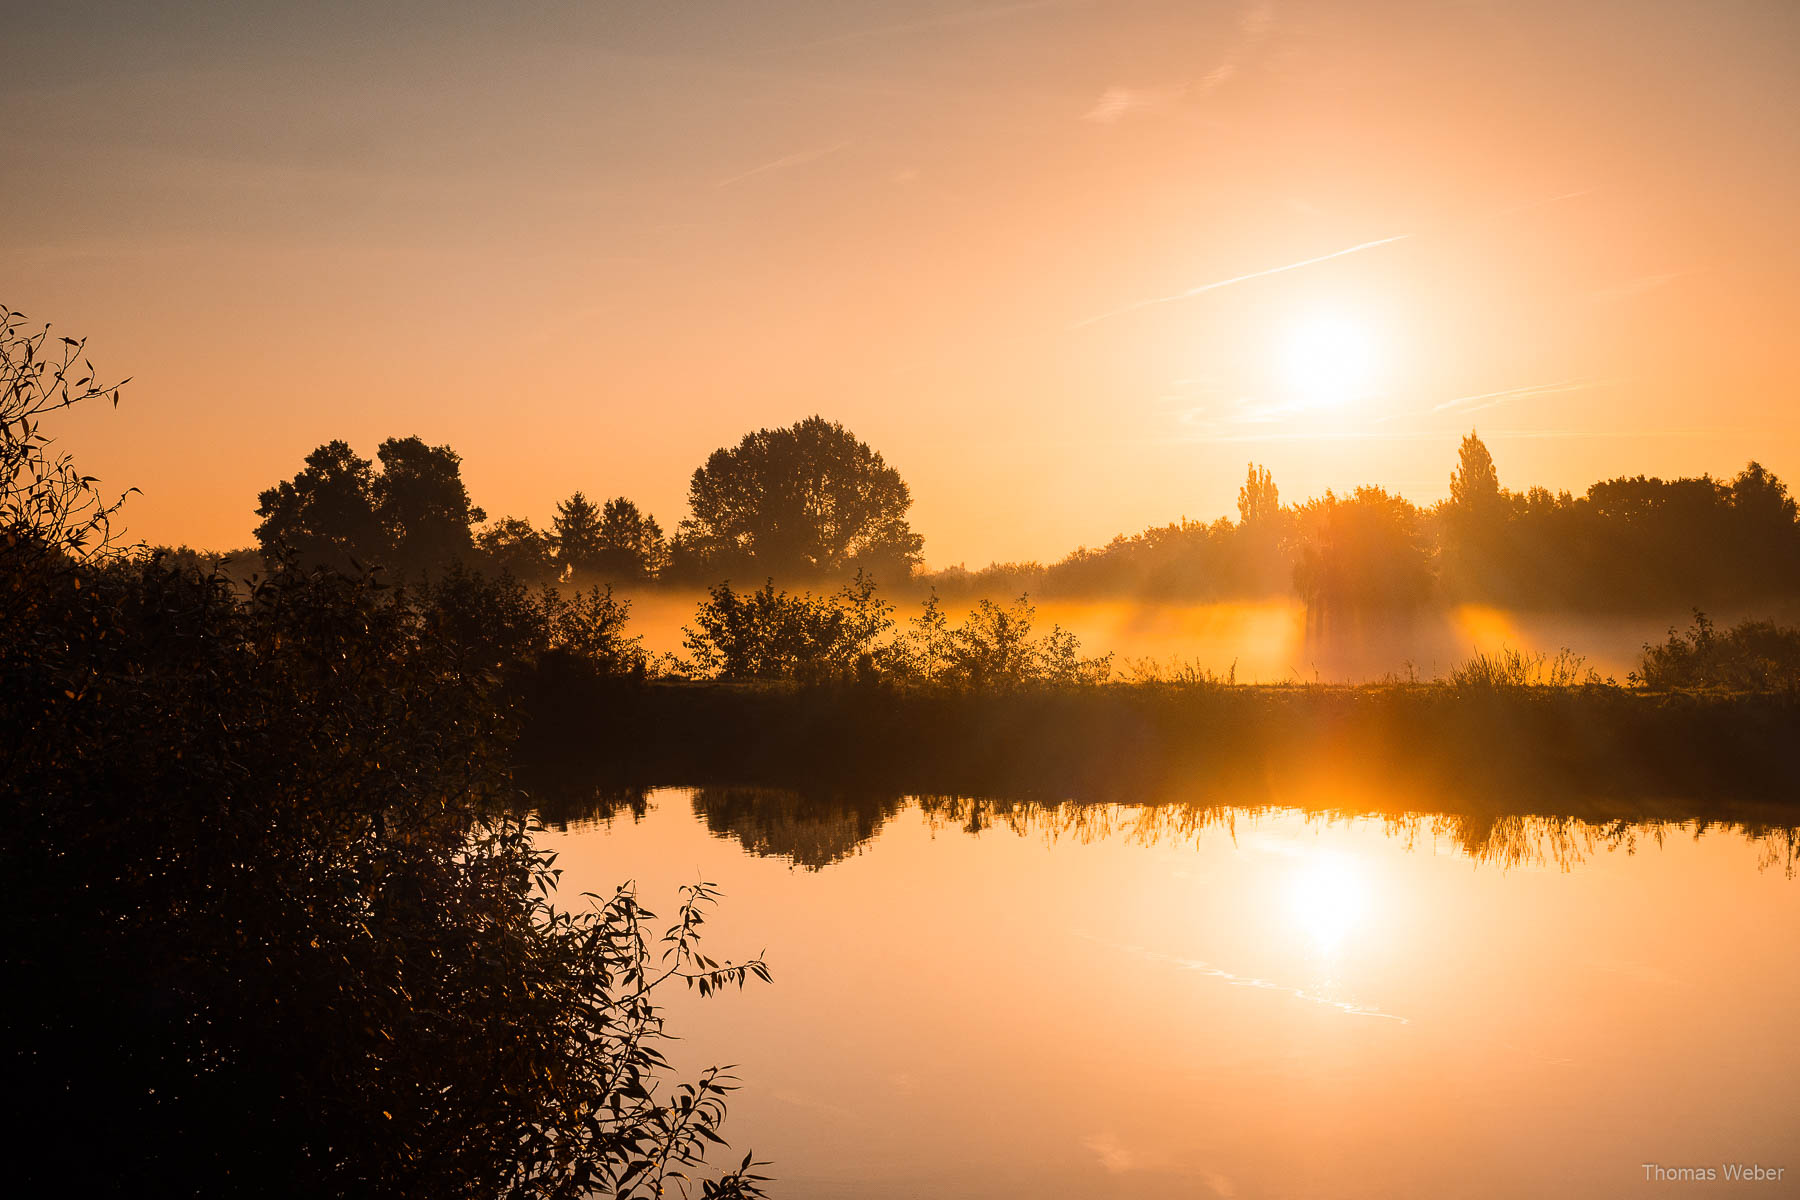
1592	750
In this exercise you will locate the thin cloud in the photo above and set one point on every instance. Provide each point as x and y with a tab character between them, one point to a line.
1483	400
787	160
1237	279
1116	103
1307	262
1120	101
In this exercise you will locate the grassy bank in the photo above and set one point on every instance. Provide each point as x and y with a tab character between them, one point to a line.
1600	753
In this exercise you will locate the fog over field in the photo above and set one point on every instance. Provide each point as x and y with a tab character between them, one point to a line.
1268	641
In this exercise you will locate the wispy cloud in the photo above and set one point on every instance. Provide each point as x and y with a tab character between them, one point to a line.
1111	1152
1120	101
1307	262
1117	103
1237	279
786	160
1201	967
1485	400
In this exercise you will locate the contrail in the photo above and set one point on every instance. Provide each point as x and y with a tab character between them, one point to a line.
1236	279
1534	389
790	160
1307	262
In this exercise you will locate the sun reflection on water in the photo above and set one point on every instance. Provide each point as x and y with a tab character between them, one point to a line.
1329	897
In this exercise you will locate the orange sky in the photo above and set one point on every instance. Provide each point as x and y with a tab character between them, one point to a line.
587	243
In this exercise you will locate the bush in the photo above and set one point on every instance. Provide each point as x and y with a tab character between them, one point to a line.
993	650
271	924
773	634
1752	656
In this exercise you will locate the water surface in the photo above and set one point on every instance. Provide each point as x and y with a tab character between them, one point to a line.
977	1000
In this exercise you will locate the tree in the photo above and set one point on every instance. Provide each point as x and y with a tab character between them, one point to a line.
423	506
1362	553
269	903
1258	500
631	542
806	499
325	515
576	533
1475	484
1761	497
514	548
413	515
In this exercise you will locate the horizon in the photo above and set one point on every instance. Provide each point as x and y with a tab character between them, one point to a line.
1066	266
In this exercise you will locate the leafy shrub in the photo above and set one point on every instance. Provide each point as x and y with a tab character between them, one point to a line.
993	649
775	634
271	926
1751	656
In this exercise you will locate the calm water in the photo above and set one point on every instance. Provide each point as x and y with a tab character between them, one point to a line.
1112	1003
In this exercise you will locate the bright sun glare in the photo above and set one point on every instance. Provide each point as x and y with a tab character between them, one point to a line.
1327	360
1329	896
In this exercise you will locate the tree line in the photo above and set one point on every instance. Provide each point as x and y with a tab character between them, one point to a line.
812	501
1637	542
807	500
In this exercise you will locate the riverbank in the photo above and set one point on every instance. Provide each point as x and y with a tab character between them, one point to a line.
1595	752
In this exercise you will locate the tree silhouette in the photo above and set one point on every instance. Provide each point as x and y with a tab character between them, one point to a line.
1360	553
806	499
414	515
1259	501
423	506
325	515
575	532
1474	484
514	548
631	542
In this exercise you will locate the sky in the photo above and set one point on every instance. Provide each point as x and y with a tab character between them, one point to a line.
1067	264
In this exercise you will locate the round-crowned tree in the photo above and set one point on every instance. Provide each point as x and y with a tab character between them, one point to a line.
804	500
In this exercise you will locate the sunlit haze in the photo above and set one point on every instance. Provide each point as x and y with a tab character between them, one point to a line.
1067	265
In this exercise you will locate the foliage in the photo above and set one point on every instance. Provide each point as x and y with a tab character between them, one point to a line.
575	533
1362	551
50	513
631	545
1751	656
1509	668
424	509
993	649
270	921
512	547
1259	500
775	634
803	500
1475	484
339	512
497	622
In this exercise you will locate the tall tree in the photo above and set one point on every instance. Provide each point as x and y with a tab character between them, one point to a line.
423	505
325	515
1258	500
631	542
575	532
806	499
1475	484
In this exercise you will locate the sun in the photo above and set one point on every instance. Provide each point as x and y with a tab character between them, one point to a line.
1326	360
